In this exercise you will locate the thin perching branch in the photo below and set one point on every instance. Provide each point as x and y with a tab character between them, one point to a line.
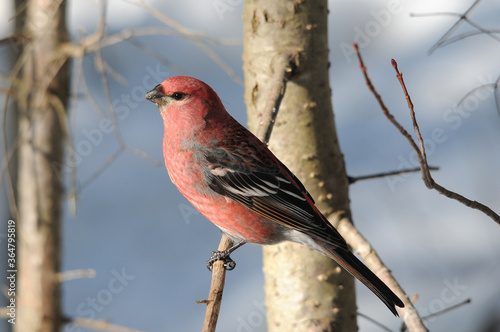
214	300
283	72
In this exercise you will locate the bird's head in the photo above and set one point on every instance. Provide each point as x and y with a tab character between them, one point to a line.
183	91
186	103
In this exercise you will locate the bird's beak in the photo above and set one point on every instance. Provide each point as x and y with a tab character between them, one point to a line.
155	95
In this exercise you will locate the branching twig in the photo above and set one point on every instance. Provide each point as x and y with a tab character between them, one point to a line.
192	37
422	159
468	34
157	55
462	17
182	30
360	245
440	312
283	72
104	69
420	151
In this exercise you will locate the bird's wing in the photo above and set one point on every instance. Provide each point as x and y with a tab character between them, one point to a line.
259	181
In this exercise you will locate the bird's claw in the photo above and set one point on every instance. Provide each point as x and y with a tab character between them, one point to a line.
229	264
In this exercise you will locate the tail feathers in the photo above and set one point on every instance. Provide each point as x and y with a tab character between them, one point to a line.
355	267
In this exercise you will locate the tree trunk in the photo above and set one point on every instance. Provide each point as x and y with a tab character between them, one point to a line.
42	98
305	290
13	54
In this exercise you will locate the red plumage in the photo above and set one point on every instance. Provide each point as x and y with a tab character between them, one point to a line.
238	184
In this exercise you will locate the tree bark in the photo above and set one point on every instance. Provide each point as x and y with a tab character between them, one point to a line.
305	290
42	98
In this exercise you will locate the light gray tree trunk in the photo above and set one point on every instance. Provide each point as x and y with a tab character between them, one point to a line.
305	290
42	97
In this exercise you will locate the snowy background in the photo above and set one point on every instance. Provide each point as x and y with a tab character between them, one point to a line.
148	246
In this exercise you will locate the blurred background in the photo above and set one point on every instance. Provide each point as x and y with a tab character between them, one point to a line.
149	246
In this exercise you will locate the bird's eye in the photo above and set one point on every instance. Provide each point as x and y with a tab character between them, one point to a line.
178	95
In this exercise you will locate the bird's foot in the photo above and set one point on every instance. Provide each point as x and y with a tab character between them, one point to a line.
229	264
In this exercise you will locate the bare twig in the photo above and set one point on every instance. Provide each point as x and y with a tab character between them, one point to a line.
214	300
468	34
182	30
420	151
101	169
13	79
192	36
462	17
101	69
373	261
384	109
76	274
353	179
143	155
104	70
493	86
440	312
373	321
95	41
157	55
98	325
8	158
445	310
71	193
422	159
276	92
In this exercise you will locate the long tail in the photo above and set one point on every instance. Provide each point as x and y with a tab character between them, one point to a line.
355	267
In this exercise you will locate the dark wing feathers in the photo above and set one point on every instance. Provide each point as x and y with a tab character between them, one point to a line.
258	183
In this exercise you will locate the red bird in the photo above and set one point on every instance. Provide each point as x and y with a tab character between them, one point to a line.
238	184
